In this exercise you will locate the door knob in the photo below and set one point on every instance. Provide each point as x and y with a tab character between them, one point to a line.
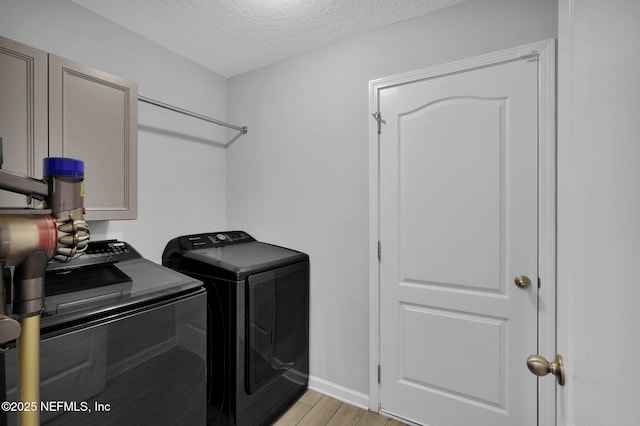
539	366
522	281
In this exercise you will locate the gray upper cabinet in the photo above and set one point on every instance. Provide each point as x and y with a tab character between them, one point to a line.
23	112
93	117
51	106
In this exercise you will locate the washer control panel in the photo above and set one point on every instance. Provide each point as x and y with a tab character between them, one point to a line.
214	239
99	252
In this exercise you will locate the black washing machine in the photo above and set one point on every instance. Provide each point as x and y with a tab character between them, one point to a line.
123	342
258	315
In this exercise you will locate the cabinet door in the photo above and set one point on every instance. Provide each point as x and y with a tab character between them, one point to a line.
93	117
23	112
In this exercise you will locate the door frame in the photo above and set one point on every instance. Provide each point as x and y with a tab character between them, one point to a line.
545	51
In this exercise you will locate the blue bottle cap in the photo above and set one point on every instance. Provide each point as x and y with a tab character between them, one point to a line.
63	167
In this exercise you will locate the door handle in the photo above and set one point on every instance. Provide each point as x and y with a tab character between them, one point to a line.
522	281
539	366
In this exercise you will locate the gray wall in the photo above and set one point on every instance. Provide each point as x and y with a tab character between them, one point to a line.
599	212
300	177
181	168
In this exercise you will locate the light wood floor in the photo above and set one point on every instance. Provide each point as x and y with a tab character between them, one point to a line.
316	409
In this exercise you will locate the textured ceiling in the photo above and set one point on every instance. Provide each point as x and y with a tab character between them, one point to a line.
234	36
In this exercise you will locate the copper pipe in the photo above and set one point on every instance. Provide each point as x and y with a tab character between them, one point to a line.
29	371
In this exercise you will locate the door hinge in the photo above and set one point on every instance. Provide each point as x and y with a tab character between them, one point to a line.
378	118
379	251
378	373
539	282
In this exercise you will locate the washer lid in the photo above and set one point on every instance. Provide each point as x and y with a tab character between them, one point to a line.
248	258
103	289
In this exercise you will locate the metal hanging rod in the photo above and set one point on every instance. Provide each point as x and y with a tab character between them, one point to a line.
242	129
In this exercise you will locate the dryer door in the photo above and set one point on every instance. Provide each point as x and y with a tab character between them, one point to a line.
277	323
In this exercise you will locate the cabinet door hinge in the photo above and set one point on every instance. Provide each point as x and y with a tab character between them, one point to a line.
379	251
539	282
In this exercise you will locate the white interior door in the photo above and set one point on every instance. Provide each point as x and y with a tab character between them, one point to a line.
458	222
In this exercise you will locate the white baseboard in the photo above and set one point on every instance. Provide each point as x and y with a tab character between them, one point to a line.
339	392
